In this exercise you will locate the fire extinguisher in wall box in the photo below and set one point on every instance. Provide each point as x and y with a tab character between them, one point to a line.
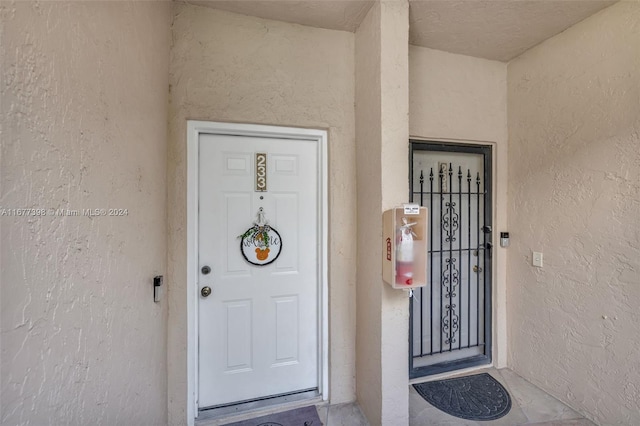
404	262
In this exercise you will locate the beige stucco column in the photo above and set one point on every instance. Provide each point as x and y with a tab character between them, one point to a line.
382	133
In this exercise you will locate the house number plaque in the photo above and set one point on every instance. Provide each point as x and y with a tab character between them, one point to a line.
261	172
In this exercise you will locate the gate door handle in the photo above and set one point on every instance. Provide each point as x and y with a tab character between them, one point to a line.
206	291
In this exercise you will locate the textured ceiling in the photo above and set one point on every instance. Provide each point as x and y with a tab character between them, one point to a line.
499	30
491	29
332	14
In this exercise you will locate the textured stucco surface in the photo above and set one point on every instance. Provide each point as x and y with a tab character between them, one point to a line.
497	30
382	131
394	105
462	98
369	198
84	110
329	14
230	67
574	194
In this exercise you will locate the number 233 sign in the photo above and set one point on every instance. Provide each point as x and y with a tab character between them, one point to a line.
261	172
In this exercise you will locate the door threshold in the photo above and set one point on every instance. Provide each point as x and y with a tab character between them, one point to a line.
451	374
257	408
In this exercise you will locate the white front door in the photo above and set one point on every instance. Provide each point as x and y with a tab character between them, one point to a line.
258	329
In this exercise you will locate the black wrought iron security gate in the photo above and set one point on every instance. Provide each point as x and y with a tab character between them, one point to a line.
450	324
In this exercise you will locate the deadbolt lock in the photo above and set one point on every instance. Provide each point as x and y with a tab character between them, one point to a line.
206	291
205	270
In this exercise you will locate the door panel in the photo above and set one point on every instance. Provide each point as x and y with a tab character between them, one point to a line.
238	335
451	317
258	330
288	212
286	329
234	209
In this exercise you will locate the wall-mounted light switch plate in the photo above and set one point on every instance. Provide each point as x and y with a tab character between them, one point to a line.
537	259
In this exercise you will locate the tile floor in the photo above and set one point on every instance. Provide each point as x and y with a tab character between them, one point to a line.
529	406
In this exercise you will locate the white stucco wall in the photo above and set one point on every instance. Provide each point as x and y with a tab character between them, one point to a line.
382	132
83	97
369	197
574	194
395	189
459	98
230	67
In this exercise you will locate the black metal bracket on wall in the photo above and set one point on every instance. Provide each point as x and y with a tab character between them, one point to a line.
157	288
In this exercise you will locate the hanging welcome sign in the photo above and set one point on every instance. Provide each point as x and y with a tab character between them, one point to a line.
261	244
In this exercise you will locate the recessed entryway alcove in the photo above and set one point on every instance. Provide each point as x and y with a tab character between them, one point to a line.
96	97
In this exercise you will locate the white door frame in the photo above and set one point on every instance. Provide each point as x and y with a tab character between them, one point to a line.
194	130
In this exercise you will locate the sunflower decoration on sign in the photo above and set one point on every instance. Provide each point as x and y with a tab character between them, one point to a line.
261	244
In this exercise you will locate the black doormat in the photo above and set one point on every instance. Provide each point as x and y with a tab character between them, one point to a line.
477	397
305	416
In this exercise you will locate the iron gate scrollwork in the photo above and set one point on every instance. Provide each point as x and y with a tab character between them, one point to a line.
453	313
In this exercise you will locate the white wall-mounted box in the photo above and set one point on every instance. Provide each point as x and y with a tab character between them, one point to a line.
404	253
